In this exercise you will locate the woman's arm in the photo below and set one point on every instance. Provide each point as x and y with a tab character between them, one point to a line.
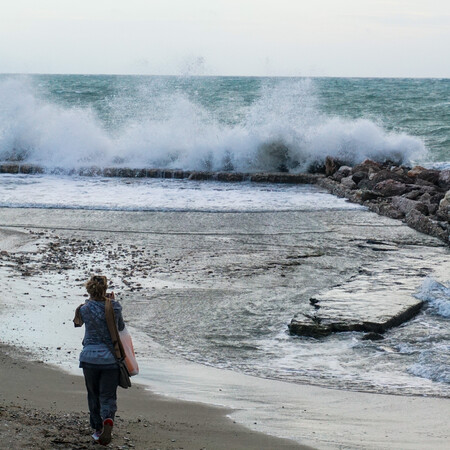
78	320
120	322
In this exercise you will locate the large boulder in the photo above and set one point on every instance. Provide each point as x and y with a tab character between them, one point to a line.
413	195
445	202
342	172
400	170
357	177
421	189
405	205
430	175
415	171
444	179
415	219
387	209
348	182
389	175
423	182
367	195
332	165
444	207
391	188
436	197
368	166
427	199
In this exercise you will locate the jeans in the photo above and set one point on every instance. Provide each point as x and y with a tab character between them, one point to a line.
101	385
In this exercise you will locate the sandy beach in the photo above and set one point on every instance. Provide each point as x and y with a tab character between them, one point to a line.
43	407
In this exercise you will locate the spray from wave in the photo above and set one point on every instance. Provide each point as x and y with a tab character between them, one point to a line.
434	362
437	297
282	130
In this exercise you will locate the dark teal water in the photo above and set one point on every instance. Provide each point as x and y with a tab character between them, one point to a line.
218	123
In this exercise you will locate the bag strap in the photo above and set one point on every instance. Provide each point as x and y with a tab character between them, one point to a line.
113	331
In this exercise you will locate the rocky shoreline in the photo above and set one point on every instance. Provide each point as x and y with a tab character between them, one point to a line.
418	196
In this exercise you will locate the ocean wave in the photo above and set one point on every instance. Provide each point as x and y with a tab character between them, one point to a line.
433	365
437	297
282	130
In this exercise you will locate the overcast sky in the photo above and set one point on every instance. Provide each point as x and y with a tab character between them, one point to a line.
400	38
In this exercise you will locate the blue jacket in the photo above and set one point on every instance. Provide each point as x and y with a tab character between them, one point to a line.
97	341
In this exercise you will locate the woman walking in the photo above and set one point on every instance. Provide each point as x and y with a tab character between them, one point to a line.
97	359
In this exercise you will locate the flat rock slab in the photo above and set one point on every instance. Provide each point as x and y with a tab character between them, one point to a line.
357	306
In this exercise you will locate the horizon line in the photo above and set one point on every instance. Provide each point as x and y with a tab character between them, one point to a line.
227	76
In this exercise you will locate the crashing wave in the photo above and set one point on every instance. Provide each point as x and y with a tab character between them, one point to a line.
280	131
436	296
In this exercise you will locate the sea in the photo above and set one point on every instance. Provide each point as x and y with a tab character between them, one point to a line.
221	123
245	124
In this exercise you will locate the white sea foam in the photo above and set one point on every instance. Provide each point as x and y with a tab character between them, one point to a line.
434	365
437	296
281	130
46	133
433	360
50	191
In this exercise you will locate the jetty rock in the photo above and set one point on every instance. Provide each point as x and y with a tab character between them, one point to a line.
444	204
444	179
418	196
390	188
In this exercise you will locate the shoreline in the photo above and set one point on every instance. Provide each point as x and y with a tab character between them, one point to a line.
42	405
323	418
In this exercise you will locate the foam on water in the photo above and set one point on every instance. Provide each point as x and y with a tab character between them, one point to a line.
49	191
432	349
156	126
432	366
437	296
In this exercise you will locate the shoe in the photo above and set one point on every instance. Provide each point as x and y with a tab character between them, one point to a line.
105	437
96	435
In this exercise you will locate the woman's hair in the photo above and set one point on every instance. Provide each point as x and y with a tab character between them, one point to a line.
97	286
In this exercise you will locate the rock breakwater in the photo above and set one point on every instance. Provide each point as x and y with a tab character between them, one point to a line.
418	196
176	174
